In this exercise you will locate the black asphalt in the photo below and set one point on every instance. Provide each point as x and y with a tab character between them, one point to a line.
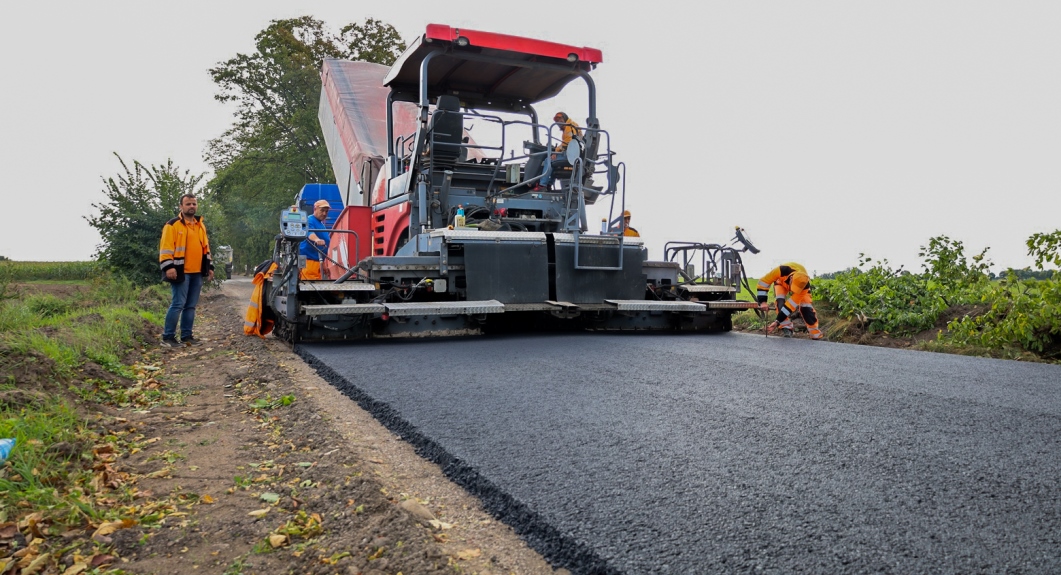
732	453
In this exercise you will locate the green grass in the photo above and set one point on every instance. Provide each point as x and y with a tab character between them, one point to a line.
98	324
36	478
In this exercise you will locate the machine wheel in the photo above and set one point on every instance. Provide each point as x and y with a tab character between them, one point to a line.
286	331
727	323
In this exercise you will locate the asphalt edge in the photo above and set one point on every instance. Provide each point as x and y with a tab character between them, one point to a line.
555	547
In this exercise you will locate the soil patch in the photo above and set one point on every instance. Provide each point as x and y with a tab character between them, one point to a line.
283	474
32	370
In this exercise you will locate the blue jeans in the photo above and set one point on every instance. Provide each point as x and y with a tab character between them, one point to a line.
185	296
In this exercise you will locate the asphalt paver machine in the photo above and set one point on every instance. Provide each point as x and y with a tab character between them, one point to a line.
465	214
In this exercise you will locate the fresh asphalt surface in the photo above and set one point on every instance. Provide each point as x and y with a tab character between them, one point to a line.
732	453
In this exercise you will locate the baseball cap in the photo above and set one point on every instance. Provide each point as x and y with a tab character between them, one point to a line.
626	213
321	204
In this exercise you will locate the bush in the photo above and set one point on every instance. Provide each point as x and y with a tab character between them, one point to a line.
897	301
1025	313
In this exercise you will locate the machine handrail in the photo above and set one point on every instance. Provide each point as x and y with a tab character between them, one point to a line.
620	237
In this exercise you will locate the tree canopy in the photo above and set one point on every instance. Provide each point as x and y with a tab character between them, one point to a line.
275	144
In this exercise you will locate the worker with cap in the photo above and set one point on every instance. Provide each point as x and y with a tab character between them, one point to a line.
316	244
792	291
627	230
570	130
557	159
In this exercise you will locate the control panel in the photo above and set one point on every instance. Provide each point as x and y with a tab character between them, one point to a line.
294	224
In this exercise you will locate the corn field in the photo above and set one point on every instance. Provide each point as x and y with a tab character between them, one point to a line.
12	271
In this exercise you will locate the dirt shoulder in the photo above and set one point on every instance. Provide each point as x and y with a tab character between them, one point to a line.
283	474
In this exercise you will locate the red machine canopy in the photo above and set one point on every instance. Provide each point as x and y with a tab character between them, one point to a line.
488	70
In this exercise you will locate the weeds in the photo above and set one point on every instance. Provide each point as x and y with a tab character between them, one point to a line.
268	402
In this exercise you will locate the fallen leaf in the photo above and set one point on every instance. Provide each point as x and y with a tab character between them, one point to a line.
468	554
270	497
164	472
75	569
207	499
33	522
101	559
8	530
440	524
258	512
112	526
277	540
36	564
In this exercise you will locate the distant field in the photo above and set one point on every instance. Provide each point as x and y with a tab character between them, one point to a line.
11	271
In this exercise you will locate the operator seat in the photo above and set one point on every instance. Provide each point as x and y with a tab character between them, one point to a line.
446	131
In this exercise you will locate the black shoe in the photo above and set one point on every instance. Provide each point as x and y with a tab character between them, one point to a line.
170	342
190	340
785	332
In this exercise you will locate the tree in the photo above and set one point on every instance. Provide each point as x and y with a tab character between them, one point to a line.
139	203
1045	248
275	145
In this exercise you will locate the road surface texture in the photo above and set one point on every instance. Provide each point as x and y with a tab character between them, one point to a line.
732	453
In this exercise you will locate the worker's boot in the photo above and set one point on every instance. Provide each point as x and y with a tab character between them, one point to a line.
786	328
786	332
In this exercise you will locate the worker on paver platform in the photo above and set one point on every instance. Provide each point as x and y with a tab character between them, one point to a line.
626	228
570	130
791	291
317	242
557	159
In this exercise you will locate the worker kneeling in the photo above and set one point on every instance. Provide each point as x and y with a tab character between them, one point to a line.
791	291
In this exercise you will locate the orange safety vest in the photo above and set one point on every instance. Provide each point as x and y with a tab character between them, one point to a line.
257	321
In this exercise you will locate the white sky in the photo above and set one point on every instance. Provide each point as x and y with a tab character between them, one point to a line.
825	129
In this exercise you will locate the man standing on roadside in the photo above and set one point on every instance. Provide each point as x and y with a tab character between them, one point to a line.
317	242
184	256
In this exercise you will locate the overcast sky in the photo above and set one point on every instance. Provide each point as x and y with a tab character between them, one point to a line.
826	129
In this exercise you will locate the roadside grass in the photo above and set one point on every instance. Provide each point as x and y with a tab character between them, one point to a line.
745	295
61	476
47	470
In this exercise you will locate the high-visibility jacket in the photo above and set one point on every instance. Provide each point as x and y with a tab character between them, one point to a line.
791	284
570	131
631	232
174	245
258	321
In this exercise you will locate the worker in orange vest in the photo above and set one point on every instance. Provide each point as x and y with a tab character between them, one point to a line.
627	230
792	291
259	320
569	128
